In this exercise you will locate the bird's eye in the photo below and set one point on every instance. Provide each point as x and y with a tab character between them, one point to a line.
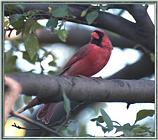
95	35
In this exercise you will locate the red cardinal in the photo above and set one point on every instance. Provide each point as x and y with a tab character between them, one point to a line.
88	60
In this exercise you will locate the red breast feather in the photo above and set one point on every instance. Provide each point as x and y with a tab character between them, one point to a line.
88	63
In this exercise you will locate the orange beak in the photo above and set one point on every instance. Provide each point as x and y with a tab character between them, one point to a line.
95	35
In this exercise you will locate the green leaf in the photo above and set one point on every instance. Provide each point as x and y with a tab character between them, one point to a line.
60	11
20	6
107	120
36	26
127	129
152	57
28	26
52	23
142	130
52	63
31	45
46	53
31	26
99	119
27	57
18	31
17	21
84	12
67	105
143	114
9	7
9	62
62	34
103	128
51	72
14	8
91	16
127	126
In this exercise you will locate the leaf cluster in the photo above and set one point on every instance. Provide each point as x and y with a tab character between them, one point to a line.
128	130
26	24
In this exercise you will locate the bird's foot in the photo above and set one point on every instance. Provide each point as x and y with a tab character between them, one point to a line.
82	76
97	78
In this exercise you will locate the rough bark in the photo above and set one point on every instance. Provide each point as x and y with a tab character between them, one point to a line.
82	37
50	88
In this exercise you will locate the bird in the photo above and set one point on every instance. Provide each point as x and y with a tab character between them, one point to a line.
87	61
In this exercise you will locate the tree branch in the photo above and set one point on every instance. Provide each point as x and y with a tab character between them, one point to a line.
42	126
82	37
48	88
145	27
114	23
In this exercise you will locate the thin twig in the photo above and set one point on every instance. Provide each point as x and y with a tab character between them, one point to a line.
20	127
31	104
10	31
34	123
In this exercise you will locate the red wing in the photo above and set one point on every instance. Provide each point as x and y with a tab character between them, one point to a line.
77	56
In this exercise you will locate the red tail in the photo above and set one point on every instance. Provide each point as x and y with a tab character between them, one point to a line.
46	112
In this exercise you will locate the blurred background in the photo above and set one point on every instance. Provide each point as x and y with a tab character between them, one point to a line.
59	53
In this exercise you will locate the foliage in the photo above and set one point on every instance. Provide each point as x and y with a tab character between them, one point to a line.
143	114
91	16
128	130
26	24
61	11
10	60
52	23
32	45
62	34
67	105
107	120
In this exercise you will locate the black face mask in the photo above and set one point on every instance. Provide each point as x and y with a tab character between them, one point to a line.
98	41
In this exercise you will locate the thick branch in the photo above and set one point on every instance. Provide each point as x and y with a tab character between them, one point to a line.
145	27
138	32
49	88
82	37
